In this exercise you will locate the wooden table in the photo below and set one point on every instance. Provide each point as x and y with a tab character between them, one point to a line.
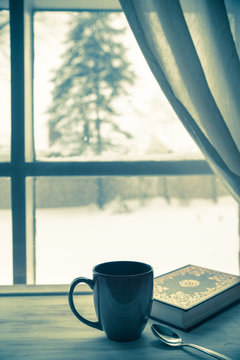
42	327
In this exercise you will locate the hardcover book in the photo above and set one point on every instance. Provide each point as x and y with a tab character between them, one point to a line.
188	295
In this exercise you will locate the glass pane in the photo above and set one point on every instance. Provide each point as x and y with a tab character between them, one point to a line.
6	233
94	95
4	86
166	221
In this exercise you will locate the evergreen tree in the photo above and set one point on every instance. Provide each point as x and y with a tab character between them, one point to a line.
94	73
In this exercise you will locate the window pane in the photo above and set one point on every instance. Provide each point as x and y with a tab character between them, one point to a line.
4	86
94	95
6	233
83	221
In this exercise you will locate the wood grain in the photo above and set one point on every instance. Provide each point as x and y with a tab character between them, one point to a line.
43	327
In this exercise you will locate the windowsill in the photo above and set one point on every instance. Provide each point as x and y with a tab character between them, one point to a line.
31	290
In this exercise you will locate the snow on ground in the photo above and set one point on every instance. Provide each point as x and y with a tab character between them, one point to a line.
5	247
70	241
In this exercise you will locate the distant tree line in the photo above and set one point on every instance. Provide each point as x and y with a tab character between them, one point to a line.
55	192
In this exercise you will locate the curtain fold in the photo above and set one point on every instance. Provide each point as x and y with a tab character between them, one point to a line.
190	48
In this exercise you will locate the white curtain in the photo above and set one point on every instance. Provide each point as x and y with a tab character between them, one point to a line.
191	47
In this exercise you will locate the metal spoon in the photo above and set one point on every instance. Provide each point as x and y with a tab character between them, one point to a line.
169	337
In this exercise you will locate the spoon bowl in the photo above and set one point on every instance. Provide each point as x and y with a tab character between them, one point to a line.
170	337
166	335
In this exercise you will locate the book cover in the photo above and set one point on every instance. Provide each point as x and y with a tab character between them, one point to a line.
180	295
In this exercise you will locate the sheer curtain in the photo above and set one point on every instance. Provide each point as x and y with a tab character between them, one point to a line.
192	49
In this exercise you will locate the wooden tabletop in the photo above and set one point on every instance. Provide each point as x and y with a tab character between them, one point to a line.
42	327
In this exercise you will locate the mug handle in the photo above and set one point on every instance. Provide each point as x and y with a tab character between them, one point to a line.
90	283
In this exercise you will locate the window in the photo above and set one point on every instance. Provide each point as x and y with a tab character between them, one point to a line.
6	232
5	86
83	221
125	134
80	195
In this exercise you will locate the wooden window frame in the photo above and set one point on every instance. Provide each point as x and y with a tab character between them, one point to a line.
23	167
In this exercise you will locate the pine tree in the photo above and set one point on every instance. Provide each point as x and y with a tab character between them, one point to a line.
94	74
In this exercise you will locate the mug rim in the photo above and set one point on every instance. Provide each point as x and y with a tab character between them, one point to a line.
101	273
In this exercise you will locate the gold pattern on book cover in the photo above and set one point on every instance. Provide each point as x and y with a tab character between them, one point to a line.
191	285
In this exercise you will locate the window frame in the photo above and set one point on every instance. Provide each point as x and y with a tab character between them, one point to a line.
23	167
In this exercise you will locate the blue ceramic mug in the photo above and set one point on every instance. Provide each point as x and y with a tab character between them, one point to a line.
123	292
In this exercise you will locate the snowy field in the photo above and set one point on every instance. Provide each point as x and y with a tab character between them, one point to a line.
70	241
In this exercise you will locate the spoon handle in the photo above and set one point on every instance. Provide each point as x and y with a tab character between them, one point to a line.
209	352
